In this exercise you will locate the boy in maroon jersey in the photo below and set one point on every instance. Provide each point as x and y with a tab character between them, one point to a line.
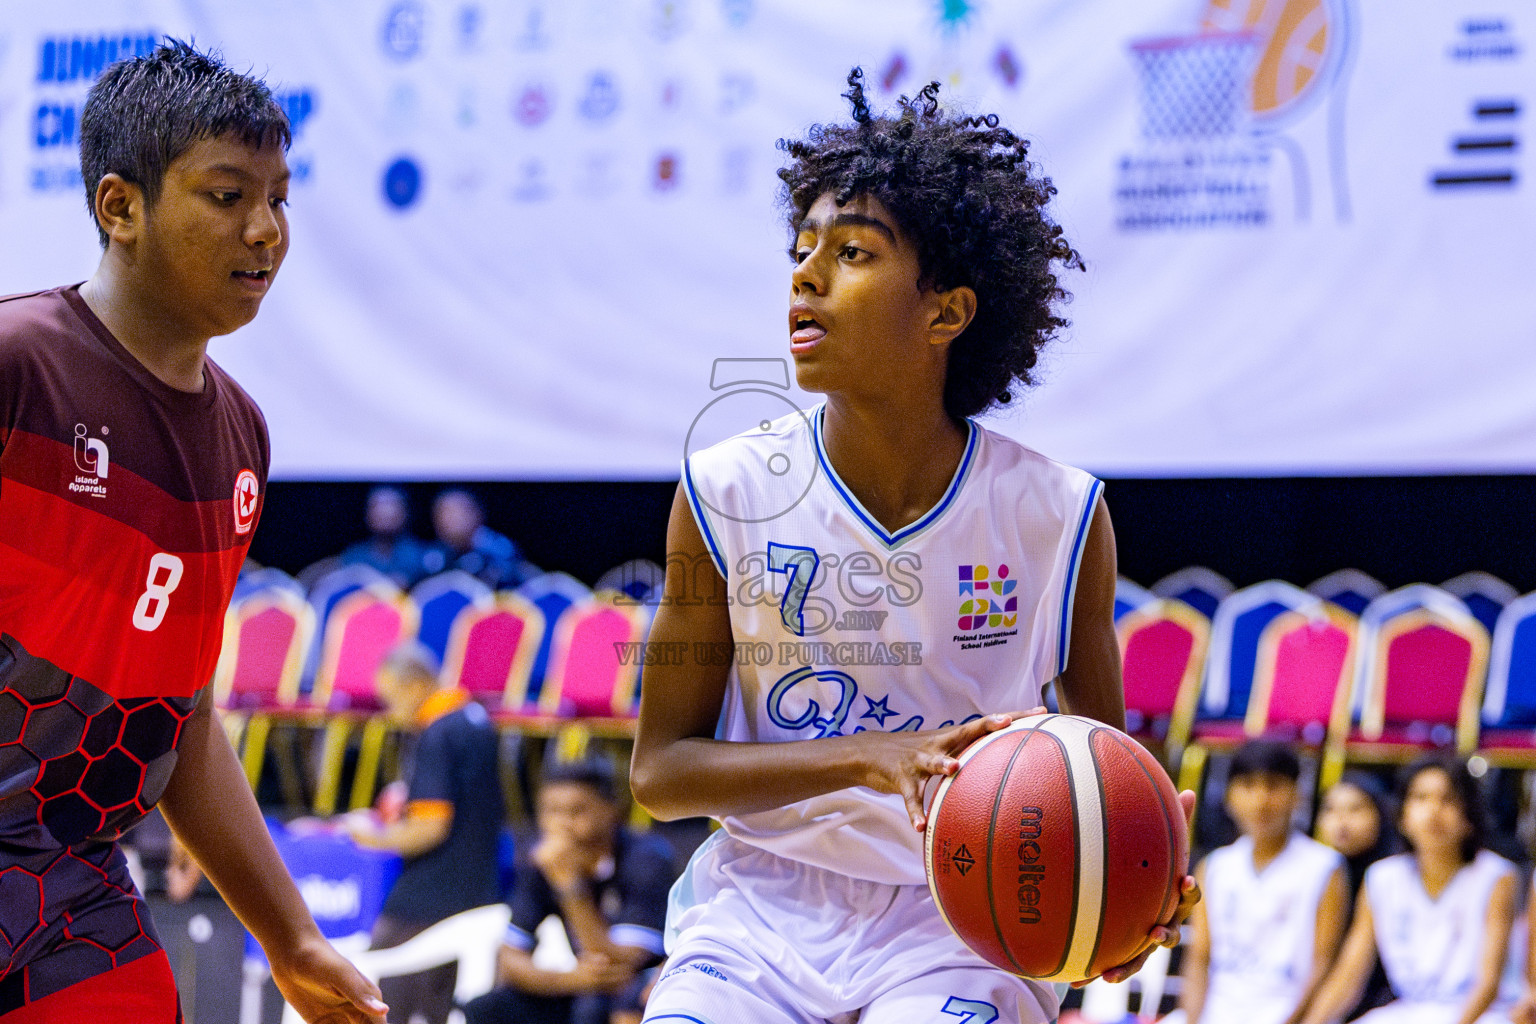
131	476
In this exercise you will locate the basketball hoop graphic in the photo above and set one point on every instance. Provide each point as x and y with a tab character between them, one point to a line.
1216	105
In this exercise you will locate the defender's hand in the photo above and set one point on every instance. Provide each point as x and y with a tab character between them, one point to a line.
324	986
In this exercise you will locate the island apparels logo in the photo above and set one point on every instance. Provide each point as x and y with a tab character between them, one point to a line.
93	462
1250	102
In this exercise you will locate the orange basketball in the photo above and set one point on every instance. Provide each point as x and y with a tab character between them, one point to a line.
1056	848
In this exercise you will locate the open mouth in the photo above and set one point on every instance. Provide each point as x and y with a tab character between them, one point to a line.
806	330
253	275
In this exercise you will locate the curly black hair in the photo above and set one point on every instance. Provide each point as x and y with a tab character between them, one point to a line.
963	190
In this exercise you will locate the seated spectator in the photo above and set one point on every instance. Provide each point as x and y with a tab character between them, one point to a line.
1356	820
449	827
1438	916
389	549
465	542
1274	905
609	888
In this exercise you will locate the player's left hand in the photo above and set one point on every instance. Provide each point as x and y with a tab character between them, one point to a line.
1167	933
323	985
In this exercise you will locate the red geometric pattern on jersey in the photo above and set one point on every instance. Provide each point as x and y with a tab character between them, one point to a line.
74	562
119	550
141	992
77	764
67	916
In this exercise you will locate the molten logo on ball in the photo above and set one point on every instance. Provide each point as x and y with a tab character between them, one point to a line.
1031	871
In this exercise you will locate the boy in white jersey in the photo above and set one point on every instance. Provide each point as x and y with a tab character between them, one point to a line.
923	288
1269	926
1439	916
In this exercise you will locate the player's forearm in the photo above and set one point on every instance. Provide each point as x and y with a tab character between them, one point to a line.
515	968
704	777
590	929
1193	978
409	837
1482	998
211	809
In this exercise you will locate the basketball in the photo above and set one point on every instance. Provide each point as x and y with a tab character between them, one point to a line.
1056	848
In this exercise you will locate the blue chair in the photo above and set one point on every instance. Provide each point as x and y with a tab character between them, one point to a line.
1350	589
1509	704
553	593
267	578
639	579
1484	594
1200	588
1130	596
440	599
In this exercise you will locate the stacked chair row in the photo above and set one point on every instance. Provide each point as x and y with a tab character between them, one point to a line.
1343	668
547	654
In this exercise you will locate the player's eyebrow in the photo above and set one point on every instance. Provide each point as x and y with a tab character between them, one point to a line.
847	220
241	172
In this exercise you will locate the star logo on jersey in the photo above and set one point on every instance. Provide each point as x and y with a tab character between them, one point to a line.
986	598
878	710
247	493
962	860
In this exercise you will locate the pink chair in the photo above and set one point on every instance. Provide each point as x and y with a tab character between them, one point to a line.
257	679
363	628
1162	655
590	678
491	651
1423	687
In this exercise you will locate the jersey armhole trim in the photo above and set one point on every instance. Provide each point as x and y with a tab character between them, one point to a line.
1069	590
696	506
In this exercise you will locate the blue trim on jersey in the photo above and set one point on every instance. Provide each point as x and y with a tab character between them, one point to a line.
1070	590
518	939
906	533
698	515
638	935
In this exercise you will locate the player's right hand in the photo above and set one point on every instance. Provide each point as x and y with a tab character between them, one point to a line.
905	762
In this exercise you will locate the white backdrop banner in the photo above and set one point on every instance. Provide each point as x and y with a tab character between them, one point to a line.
525	231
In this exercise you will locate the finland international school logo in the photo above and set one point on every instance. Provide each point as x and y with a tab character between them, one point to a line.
247	493
93	462
986	598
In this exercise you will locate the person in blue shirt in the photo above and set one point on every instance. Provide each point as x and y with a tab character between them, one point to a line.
465	542
390	548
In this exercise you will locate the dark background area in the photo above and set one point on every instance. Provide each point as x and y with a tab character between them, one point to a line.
1399	529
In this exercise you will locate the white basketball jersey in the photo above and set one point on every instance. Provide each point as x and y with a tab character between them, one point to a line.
841	626
1263	928
1432	948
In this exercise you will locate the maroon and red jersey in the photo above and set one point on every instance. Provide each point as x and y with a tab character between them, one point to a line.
126	508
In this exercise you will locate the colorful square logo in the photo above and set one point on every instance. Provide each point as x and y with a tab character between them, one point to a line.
986	599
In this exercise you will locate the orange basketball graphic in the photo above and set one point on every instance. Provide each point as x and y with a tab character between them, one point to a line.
1300	41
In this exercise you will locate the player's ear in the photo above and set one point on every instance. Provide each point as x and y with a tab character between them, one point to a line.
119	208
957	308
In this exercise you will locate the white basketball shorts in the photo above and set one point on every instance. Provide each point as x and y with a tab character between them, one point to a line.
764	940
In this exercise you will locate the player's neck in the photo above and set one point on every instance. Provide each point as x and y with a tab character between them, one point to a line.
1267	847
1437	868
897	457
172	351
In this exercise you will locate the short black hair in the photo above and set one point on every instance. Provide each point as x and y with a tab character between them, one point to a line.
594	773
144	112
1463	785
963	190
1271	756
